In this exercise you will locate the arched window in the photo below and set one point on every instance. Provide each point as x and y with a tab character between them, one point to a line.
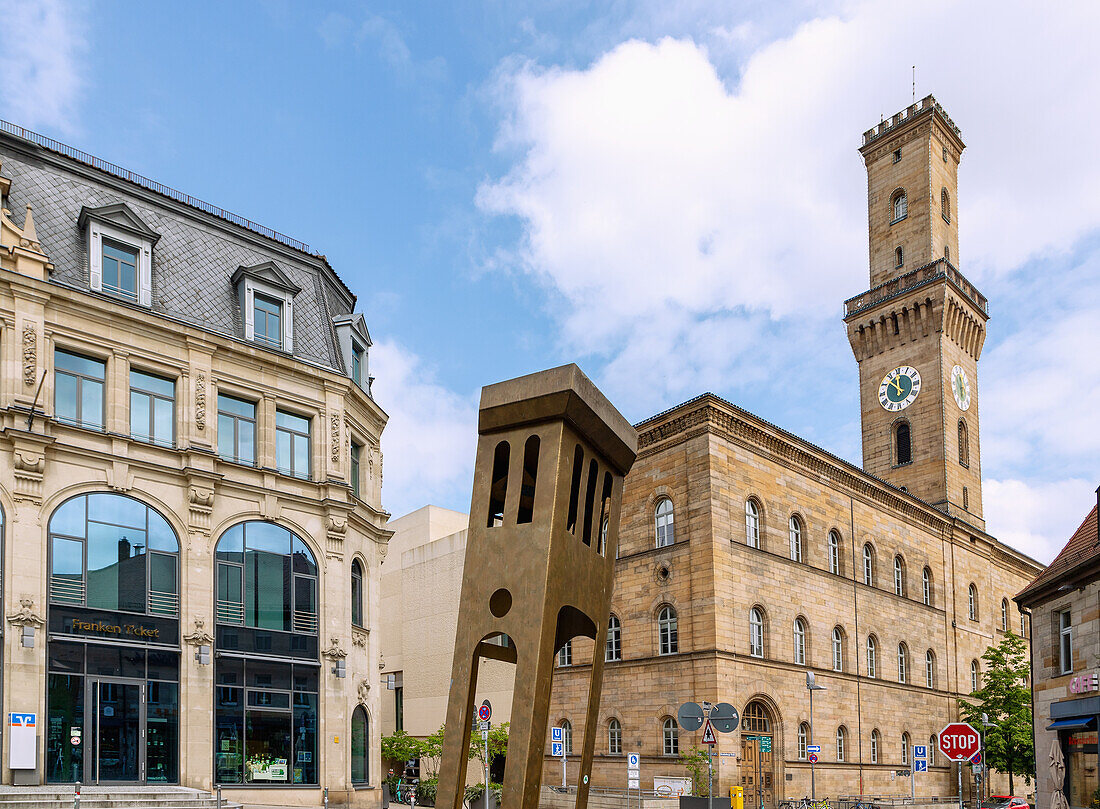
668	635
903	663
614	738
899	257
614	649
972	602
899	576
360	746
905	743
945	204
756	718
803	740
930	669
974	672
565	655
926	583
112	552
267	579
838	649
662	516
899	205
868	565
795	534
933	743
670	737
841	742
876	741
1004	614
872	656
356	593
756	632
903	446
964	444
834	552
799	642
752	524
567	736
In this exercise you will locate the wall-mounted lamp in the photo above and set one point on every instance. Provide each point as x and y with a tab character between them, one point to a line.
340	670
28	637
202	656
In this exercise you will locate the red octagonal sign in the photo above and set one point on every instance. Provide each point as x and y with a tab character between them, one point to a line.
958	741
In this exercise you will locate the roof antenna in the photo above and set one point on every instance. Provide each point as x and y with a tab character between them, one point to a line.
914	84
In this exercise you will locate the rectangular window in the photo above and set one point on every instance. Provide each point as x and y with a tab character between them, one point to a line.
897	155
120	264
292	444
268	321
236	430
78	389
152	408
1065	642
355	450
565	654
357	365
399	708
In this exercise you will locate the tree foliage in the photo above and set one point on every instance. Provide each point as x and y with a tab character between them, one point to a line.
697	761
399	747
1006	700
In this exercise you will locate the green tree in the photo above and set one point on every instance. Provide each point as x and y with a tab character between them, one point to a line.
498	743
697	761
432	752
399	747
1005	699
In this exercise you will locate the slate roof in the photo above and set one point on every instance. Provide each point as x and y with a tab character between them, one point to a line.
1083	548
194	259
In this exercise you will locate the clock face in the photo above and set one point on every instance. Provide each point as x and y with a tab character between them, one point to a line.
960	386
899	388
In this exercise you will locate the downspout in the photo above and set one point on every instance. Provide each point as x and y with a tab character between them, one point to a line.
855	609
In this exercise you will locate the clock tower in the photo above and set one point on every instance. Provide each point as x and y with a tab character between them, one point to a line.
917	333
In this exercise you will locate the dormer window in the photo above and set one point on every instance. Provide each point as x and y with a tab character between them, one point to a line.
266	297
357	364
120	252
354	341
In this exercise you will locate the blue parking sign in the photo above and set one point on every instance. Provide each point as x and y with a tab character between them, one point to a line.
920	765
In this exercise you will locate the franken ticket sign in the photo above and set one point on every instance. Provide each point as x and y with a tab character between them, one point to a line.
118	626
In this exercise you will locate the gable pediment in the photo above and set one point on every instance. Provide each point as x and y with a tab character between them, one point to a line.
267	273
358	325
121	216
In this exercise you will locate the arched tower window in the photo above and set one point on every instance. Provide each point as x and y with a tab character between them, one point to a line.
899	205
756	632
668	634
360	746
799	642
752	524
964	444
945	204
899	257
903	445
614	738
663	522
795	534
356	593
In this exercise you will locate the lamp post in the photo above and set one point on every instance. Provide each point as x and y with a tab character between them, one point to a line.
985	758
812	686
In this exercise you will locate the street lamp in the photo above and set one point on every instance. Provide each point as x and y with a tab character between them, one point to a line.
984	783
812	686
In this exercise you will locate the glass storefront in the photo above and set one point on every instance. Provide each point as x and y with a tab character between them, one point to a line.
1081	775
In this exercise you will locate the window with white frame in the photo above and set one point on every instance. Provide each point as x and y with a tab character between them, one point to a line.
614	738
903	663
356	364
663	523
565	654
841	742
930	669
120	269
803	740
670	737
120	252
834	552
899	204
799	642
756	632
932	745
152	408
795	536
752	524
874	746
974	672
267	320
926	583
567	736
972	602
292	444
667	632
905	744
872	656
266	297
614	650
1023	626
838	649
1065	642
1004	614
868	565
899	576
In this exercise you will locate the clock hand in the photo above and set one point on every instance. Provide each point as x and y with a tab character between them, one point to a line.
897	384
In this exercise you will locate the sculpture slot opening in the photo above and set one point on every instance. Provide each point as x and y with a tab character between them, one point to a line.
498	485
575	490
530	476
590	499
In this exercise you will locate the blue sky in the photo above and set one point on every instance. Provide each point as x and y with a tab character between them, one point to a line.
667	193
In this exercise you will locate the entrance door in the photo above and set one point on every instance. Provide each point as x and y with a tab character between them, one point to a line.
117	709
757	760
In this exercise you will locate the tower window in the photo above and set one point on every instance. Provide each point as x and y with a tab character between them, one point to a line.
945	205
966	499
944	154
900	205
947	252
897	155
903	448
899	257
964	444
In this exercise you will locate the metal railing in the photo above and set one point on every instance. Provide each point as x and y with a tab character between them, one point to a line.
151	185
163	603
940	268
305	622
229	612
65	590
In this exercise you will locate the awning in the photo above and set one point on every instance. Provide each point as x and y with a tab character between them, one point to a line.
1076	723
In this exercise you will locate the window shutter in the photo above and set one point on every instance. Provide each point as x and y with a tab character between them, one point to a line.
288	325
145	277
95	259
249	313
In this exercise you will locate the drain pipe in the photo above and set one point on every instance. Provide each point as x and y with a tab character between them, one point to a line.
76	796
326	797
219	796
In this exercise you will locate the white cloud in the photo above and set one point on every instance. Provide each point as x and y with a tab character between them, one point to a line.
385	40
40	63
1037	518
432	430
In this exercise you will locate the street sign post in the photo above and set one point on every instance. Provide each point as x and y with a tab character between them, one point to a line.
813	758
483	713
708	734
813	748
958	741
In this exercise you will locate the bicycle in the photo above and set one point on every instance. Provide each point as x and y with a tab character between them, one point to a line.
804	803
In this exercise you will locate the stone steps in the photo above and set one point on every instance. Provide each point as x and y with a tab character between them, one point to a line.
59	797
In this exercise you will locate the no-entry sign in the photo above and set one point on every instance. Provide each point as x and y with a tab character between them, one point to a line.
958	741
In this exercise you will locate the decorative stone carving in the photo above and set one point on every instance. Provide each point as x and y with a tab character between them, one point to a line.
199	637
334	651
364	690
335	439
359	637
27	460
200	401
30	354
26	615
337	526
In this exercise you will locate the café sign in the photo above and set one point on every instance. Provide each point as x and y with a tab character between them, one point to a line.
1084	683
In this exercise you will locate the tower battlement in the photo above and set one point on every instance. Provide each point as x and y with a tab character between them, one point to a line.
925	105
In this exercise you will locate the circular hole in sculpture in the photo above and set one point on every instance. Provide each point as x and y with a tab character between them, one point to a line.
500	602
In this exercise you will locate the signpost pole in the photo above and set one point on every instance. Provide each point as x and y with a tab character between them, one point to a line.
960	765
813	781
485	738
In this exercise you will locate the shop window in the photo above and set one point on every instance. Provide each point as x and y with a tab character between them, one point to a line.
360	746
112	552
78	389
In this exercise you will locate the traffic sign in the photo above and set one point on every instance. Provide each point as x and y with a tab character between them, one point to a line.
724	717
976	759
708	734
813	758
485	711
633	774
814	748
765	744
920	765
632	783
484	727
920	751
632	760
557	749
555	734
690	716
958	741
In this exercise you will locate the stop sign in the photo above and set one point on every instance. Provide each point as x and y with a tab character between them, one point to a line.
958	741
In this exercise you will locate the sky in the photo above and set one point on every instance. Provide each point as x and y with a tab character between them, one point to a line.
667	192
